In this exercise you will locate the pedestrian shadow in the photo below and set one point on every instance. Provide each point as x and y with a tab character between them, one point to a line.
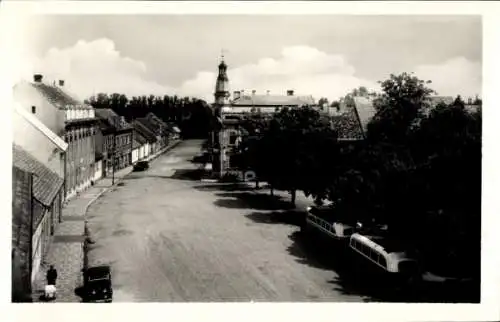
286	217
252	200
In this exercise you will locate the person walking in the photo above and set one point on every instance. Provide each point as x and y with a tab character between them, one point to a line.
51	275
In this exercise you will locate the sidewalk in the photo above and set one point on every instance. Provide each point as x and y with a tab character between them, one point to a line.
66	248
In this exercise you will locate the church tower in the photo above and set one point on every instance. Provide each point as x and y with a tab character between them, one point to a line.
222	86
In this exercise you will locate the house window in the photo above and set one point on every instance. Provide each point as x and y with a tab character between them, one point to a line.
33	109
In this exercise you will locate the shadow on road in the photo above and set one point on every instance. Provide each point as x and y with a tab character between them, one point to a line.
224	187
349	279
287	217
187	174
252	200
346	281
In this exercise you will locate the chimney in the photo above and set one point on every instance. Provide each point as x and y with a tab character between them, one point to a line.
236	95
253	92
267	92
61	82
289	92
37	78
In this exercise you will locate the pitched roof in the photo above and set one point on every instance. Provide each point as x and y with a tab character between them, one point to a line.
154	118
366	110
155	128
56	96
33	120
347	125
135	144
105	126
144	131
435	100
273	100
139	137
112	118
46	184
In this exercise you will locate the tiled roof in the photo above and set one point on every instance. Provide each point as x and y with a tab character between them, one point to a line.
155	128
366	110
435	100
46	184
54	138
105	126
347	125
139	137
144	131
112	118
273	100
135	144
56	96
156	119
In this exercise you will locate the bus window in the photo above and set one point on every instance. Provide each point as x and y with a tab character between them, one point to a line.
382	261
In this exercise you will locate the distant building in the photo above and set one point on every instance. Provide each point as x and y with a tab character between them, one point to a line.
158	127
140	147
230	113
148	134
121	146
104	147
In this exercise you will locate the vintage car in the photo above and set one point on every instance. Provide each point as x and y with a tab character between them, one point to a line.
97	284
141	166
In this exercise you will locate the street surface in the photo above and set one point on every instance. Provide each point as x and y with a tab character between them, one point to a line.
170	237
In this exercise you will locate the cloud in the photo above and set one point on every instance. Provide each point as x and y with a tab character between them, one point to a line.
456	76
97	66
306	70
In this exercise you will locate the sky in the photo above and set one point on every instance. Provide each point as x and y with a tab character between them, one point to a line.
319	55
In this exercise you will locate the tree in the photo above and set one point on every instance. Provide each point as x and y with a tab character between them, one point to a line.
167	108
399	108
420	174
288	154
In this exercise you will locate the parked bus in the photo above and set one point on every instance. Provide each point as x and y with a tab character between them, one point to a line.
323	225
376	255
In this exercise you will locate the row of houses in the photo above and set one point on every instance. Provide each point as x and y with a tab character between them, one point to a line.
61	146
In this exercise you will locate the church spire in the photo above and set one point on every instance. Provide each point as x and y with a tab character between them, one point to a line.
222	84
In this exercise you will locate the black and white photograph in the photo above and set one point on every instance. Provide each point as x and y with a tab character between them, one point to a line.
274	158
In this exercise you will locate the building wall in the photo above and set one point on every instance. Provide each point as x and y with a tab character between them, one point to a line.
135	155
28	96
80	158
98	170
41	238
21	214
37	144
